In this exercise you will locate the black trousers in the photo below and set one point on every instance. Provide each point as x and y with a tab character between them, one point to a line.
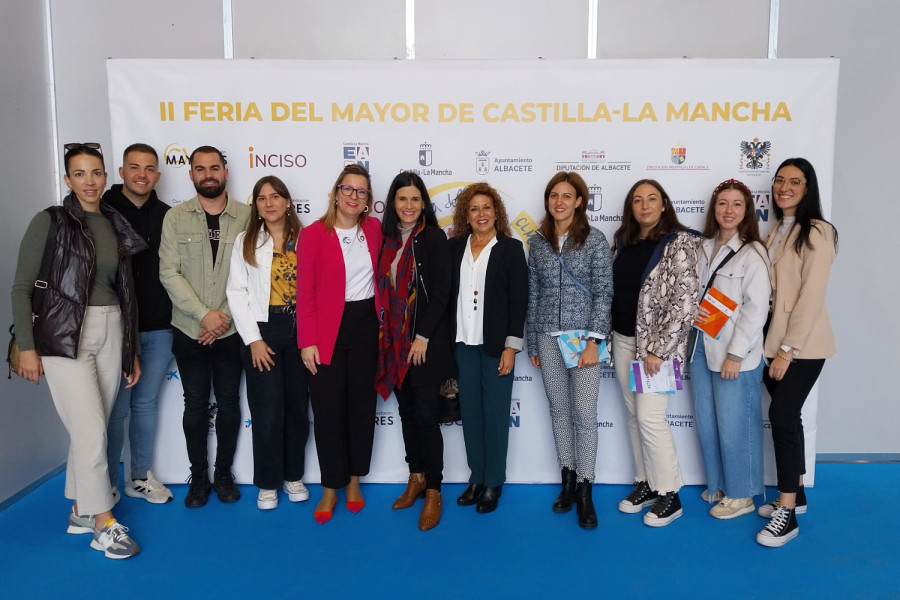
279	405
788	397
422	438
218	364
344	399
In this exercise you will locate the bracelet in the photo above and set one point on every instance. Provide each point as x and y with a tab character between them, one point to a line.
784	356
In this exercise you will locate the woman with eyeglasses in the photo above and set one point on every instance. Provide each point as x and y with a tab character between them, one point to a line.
337	332
84	333
489	300
802	249
726	368
262	296
414	356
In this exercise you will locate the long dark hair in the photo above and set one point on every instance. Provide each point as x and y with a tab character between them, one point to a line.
629	232
579	229
748	228
390	221
810	206
291	221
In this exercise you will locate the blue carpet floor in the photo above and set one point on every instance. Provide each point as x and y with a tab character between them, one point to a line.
848	547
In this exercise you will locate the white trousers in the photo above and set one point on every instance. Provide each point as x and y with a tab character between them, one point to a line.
655	456
84	390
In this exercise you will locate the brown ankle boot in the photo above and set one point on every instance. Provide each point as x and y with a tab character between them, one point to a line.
431	512
414	489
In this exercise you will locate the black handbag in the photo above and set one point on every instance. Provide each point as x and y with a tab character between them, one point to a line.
449	403
37	296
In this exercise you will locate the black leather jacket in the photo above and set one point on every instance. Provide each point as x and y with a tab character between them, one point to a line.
57	328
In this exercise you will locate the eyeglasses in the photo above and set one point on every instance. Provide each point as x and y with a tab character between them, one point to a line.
349	190
794	181
71	146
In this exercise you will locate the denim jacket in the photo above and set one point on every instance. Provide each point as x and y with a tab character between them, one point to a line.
555	302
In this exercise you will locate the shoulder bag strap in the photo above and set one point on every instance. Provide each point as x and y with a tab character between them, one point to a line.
40	284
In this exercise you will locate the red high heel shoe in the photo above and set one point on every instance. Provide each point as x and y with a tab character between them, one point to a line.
322	516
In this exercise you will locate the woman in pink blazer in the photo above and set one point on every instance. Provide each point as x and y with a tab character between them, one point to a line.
337	331
799	337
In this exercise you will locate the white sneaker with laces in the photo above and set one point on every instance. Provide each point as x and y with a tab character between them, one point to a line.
113	540
149	489
729	508
267	499
296	491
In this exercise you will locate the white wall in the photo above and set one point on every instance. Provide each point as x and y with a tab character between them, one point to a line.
858	411
33	442
855	417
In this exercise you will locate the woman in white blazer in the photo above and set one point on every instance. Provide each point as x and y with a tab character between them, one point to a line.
726	369
262	296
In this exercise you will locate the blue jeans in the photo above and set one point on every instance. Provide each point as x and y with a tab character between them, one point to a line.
141	401
729	422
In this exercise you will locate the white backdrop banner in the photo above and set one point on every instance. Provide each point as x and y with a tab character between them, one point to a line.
687	123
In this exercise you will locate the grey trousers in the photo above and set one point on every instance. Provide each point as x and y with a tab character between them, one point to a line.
572	394
84	390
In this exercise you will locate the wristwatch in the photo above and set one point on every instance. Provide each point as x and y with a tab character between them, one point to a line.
596	340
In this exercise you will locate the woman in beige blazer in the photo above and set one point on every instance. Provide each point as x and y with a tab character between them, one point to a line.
799	337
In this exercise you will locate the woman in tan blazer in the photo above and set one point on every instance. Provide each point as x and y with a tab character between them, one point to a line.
799	337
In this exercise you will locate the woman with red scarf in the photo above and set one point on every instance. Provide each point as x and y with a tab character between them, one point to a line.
414	356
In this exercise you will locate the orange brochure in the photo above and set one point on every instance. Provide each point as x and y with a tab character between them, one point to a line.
720	308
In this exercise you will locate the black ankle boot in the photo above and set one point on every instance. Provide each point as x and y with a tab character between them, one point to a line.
584	505
563	502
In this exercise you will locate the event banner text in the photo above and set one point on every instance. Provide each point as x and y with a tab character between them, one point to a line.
470	112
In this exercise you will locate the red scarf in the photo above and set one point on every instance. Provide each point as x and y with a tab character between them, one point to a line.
399	300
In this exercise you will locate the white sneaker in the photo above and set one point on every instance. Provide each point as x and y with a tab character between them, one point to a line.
296	491
717	497
113	540
149	489
267	499
729	508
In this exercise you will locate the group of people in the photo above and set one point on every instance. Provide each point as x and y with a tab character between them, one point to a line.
111	286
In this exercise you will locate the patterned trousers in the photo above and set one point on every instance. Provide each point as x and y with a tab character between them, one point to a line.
572	394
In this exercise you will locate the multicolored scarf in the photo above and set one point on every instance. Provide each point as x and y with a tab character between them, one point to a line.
399	300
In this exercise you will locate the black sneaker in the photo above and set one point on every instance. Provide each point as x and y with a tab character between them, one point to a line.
767	510
666	509
781	529
198	491
225	488
640	498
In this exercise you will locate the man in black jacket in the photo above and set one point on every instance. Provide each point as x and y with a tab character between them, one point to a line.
137	201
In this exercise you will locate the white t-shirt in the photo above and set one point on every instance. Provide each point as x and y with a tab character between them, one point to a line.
470	303
360	277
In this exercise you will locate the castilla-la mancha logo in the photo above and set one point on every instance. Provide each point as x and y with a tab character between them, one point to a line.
425	154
